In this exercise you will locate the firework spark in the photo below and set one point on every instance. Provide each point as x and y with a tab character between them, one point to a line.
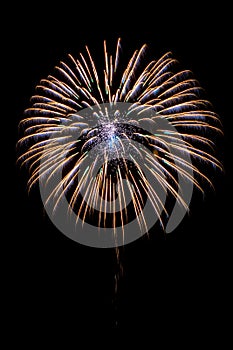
100	151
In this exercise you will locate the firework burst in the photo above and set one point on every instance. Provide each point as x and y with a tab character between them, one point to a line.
118	138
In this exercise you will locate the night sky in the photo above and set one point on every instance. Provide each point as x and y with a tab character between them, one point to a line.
168	280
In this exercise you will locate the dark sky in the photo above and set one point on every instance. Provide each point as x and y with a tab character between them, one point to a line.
186	273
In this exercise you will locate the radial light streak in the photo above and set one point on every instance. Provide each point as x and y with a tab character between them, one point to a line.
49	142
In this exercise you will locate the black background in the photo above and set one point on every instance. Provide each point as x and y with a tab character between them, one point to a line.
178	282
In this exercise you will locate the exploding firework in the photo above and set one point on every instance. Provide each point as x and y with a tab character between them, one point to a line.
112	142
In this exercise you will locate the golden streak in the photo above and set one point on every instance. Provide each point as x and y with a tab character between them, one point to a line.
52	124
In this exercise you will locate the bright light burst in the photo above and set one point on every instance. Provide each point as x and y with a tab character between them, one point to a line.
52	123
